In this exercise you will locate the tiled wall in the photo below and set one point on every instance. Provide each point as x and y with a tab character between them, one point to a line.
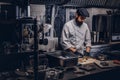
37	11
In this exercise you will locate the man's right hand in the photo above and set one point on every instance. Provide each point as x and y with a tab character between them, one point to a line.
72	49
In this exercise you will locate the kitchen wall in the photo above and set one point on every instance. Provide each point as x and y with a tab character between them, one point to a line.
95	11
37	11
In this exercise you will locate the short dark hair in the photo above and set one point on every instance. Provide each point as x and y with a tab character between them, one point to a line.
82	12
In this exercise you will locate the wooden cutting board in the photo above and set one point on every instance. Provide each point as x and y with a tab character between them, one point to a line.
87	60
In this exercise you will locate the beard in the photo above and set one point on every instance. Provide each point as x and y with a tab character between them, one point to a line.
78	22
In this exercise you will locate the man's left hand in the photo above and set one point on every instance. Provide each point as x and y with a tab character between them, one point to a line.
86	53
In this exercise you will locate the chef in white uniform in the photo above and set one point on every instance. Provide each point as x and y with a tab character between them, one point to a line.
76	34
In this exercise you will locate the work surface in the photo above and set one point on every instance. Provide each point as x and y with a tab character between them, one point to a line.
96	73
88	69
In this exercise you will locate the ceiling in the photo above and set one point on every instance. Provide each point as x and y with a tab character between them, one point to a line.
78	3
95	3
37	1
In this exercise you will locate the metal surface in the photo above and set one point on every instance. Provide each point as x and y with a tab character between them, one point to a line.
88	67
106	64
60	59
79	3
94	3
35	50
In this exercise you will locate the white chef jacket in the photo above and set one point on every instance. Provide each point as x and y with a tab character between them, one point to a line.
75	36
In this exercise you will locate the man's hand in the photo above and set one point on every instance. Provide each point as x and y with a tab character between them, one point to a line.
88	49
72	49
86	53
